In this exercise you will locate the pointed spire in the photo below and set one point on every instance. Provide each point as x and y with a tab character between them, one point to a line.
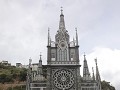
30	68
40	65
86	74
97	71
73	41
98	79
48	36
61	23
30	60
50	41
96	61
93	74
76	37
40	61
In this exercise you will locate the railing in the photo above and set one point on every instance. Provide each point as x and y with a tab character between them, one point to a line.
63	63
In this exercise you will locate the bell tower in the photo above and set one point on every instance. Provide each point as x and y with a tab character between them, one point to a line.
63	70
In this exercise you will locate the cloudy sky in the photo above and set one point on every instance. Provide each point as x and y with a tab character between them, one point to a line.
24	25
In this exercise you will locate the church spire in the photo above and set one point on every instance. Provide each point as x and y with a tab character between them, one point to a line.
98	79
40	65
49	36
76	37
30	60
61	23
97	71
86	74
73	41
29	75
93	74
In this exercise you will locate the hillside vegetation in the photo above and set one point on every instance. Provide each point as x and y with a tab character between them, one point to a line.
11	74
12	78
106	86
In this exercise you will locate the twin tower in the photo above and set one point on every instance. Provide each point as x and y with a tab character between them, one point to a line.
62	71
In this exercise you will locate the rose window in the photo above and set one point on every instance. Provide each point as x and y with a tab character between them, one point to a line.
63	79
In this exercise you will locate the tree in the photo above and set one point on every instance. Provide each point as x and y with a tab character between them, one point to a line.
106	86
3	78
23	75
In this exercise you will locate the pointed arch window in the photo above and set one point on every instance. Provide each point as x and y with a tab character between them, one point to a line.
72	56
60	55
65	55
53	56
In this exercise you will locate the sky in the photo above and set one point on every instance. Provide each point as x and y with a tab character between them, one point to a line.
24	25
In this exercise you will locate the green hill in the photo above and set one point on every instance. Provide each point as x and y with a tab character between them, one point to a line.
12	74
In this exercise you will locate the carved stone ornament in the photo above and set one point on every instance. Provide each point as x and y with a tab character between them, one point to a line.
63	79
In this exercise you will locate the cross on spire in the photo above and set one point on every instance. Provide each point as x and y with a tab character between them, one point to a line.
76	29
61	10
62	23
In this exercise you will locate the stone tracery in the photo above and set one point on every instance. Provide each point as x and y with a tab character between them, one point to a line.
63	79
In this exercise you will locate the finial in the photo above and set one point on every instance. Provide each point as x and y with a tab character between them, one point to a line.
30	60
76	29
96	61
61	10
40	56
48	36
84	56
76	37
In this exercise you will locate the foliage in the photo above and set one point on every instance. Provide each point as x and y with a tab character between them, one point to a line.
23	74
11	74
106	86
2	78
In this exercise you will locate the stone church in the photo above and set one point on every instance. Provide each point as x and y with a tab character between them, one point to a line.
62	71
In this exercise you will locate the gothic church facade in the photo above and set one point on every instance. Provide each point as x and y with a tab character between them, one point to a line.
62	71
